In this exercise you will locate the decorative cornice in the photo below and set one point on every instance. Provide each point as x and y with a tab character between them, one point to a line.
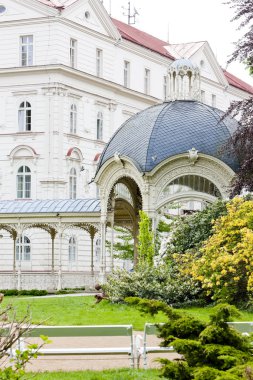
118	88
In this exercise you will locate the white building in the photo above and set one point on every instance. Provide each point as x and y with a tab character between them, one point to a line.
69	77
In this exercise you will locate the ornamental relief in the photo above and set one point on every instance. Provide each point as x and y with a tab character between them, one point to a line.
208	163
221	180
128	173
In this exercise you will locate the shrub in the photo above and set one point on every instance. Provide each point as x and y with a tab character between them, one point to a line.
160	283
225	268
210	351
24	292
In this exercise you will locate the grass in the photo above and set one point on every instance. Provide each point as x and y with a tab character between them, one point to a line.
84	311
80	311
115	374
203	313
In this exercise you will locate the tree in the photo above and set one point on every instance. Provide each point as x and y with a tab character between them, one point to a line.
189	232
210	351
123	247
146	248
241	143
11	331
225	268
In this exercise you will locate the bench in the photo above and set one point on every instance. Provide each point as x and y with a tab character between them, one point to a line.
150	329
82	331
245	328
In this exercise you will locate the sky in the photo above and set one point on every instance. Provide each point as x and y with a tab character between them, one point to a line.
187	21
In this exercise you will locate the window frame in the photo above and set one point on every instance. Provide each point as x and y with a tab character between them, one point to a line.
23	249
24	182
214	100
146	81
72	249
100	124
126	80
73	118
72	183
26	57
25	117
99	62
73	52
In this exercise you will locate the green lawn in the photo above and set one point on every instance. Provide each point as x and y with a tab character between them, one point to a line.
116	374
84	311
80	311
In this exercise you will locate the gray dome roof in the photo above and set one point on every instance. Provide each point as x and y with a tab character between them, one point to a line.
168	129
182	64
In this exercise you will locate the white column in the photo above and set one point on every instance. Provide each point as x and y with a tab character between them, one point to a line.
103	249
19	235
59	282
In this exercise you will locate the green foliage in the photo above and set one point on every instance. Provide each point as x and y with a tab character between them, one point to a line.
109	374
11	330
225	268
84	311
209	351
32	292
163	283
123	248
146	248
176	371
191	231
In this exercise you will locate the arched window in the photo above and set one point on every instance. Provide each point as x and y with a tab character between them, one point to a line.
97	249
23	249
72	249
24	182
73	118
189	183
72	183
25	117
100	126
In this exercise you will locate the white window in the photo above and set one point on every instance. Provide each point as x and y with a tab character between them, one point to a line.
72	249
97	249
25	117
203	96
213	100
165	86
99	62
24	182
26	50
126	73
99	126
147	81
73	118
72	184
23	249
73	52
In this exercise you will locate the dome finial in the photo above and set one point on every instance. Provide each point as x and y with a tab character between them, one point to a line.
184	80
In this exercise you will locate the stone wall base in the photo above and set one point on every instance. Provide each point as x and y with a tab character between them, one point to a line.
48	281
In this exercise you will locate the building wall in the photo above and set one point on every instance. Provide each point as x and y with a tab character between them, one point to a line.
51	86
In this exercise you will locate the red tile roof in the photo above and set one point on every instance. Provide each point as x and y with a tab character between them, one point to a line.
152	43
141	38
238	83
146	40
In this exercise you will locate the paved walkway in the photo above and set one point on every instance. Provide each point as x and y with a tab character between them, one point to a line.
93	362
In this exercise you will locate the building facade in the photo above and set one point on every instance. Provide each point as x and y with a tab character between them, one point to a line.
69	77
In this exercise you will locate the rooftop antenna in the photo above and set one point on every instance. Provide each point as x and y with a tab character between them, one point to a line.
131	17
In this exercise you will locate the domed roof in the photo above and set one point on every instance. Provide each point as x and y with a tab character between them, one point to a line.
182	64
168	129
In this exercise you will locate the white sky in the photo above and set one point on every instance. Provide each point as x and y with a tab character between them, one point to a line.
187	21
